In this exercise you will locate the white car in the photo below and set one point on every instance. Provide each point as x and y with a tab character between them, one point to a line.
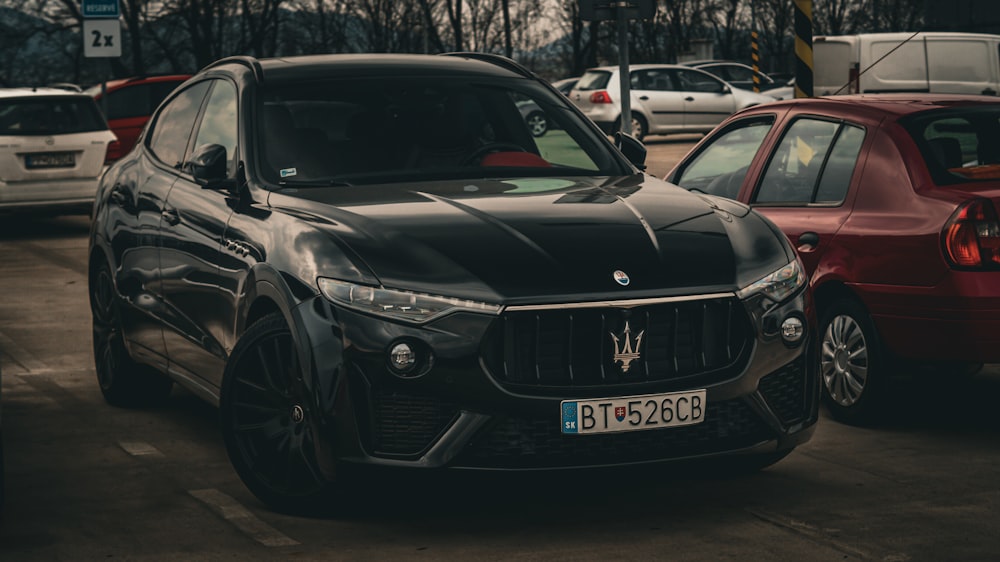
666	98
53	145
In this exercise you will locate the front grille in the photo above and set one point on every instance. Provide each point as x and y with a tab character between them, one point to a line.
405	424
538	442
682	340
786	391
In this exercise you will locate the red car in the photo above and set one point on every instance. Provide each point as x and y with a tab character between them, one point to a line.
892	202
130	103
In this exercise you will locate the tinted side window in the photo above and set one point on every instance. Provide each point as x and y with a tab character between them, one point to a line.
219	125
694	81
653	79
49	116
130	101
170	134
813	163
722	165
839	169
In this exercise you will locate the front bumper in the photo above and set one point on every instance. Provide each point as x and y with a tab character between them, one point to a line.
460	414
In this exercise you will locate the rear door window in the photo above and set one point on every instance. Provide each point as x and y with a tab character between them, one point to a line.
814	163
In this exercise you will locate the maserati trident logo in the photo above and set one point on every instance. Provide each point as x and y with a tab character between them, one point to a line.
626	348
620	277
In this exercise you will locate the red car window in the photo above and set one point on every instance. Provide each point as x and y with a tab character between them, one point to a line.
813	163
721	166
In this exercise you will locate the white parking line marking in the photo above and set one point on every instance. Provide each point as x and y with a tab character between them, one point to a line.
232	511
20	355
139	449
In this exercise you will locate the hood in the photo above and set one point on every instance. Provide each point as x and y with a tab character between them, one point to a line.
543	239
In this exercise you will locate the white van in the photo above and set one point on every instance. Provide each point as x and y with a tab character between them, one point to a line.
945	62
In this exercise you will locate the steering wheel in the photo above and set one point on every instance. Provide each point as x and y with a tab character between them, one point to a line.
499	146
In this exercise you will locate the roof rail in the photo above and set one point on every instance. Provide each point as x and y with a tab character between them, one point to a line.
248	61
497	60
66	86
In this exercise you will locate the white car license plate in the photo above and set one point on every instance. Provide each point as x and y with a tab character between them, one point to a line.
50	160
633	413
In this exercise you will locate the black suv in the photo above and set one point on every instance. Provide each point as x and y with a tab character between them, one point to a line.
370	260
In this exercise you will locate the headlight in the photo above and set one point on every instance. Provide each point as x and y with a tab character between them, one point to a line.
778	285
399	305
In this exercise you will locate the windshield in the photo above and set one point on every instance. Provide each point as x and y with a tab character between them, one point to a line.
49	116
959	144
399	129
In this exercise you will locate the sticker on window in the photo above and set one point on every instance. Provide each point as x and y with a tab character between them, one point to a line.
288	172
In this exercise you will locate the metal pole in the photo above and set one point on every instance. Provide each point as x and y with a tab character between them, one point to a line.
625	123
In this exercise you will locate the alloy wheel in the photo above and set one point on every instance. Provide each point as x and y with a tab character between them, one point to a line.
537	124
270	422
844	360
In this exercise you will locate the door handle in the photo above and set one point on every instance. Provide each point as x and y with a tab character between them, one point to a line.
689	98
644	98
808	241
989	92
170	217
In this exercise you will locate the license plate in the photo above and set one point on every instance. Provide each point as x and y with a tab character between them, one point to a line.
50	160
633	413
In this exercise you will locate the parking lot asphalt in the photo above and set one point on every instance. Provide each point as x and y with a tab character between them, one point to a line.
87	481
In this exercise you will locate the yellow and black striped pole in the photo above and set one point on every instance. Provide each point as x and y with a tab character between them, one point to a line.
755	58
803	49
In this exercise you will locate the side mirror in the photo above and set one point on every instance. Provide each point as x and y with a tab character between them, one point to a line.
208	165
632	148
726	89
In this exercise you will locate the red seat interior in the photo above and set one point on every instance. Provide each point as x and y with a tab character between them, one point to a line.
514	159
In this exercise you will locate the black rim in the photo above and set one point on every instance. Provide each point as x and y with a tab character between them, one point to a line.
270	420
107	332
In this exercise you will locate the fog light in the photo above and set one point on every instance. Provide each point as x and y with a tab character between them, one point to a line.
402	357
792	329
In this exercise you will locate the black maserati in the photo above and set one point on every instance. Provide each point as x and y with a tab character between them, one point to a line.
370	260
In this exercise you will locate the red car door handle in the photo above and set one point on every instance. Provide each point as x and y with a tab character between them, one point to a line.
808	241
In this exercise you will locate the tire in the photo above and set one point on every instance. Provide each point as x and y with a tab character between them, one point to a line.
639	127
853	365
124	383
268	421
537	123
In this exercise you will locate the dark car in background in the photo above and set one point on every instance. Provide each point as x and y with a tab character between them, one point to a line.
371	260
892	201
130	102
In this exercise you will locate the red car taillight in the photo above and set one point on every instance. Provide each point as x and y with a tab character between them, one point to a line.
972	235
113	152
600	97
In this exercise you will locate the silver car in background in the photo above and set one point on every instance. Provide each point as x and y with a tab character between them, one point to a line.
53	149
666	98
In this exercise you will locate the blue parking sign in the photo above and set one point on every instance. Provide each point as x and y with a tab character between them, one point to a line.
100	9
